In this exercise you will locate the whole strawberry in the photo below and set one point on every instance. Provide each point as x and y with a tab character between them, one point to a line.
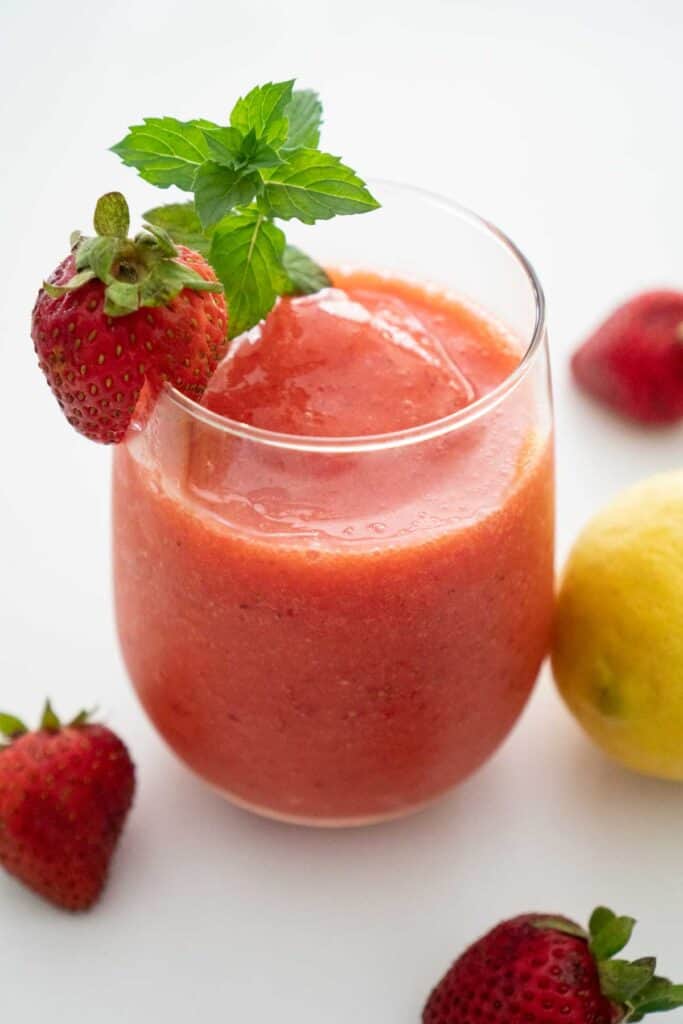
65	791
119	313
634	361
544	969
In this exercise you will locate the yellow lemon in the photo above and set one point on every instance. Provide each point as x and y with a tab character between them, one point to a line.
618	645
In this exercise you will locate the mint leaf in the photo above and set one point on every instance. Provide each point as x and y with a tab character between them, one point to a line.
305	275
305	114
181	222
225	145
219	189
230	148
263	109
256	153
246	253
312	186
166	151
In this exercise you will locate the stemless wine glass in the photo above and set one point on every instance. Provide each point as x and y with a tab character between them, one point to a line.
335	631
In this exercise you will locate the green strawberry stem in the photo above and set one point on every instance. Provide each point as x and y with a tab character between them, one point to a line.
138	272
262	167
631	985
11	727
50	722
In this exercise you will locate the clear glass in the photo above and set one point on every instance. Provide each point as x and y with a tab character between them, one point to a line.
335	631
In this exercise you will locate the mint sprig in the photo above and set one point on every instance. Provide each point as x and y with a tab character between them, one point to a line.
265	165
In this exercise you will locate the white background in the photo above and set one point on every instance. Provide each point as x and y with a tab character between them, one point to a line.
562	123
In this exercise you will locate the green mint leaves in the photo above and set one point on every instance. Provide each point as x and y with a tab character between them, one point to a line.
304	273
166	151
305	114
263	166
264	110
309	186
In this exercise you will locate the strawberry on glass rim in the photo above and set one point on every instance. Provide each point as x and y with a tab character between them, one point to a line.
118	314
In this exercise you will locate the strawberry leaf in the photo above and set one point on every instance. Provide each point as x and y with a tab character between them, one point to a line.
246	252
72	285
612	937
82	718
97	254
560	924
620	980
167	279
158	238
11	726
312	186
181	222
49	720
600	917
658	996
112	216
304	114
166	151
121	298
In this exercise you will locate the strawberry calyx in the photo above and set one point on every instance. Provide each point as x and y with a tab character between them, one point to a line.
631	985
136	272
11	727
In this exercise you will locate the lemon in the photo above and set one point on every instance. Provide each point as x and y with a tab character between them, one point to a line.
618	644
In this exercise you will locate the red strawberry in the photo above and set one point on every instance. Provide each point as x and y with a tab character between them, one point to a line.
634	361
65	792
118	313
544	969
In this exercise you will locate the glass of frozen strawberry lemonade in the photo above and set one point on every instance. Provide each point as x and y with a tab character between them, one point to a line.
334	576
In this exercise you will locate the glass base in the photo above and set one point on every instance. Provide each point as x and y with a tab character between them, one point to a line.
295	819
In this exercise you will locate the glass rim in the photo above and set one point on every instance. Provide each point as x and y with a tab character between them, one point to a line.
410	435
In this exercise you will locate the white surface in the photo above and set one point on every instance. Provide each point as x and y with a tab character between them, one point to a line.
563	126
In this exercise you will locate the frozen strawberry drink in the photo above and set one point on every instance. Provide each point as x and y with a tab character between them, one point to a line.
334	576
